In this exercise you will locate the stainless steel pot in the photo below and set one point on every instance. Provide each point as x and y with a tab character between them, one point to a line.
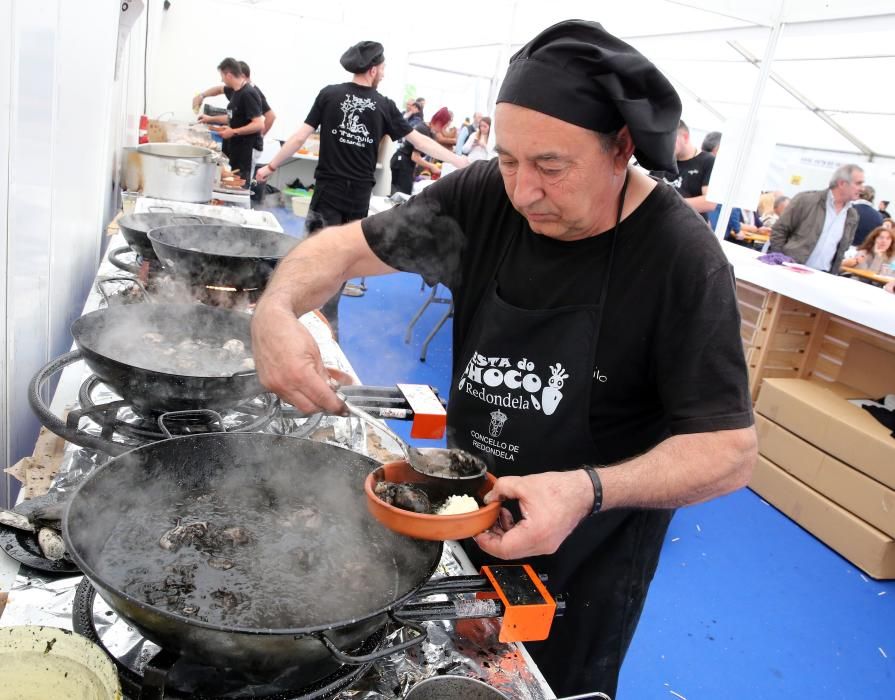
177	171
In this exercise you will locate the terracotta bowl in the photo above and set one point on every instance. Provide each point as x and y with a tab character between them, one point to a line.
420	525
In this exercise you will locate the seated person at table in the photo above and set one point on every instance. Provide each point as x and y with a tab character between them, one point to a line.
769	218
742	221
875	254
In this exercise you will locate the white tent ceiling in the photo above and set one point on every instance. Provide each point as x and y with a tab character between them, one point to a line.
836	56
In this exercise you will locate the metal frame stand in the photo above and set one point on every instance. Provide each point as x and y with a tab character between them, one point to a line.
433	298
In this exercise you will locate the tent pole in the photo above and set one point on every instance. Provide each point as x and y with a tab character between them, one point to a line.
751	119
821	114
503	58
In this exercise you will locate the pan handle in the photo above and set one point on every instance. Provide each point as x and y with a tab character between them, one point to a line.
187	217
245	373
216	417
344	658
159	207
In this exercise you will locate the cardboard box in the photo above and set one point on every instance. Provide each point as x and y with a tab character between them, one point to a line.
869	369
820	414
859	494
866	547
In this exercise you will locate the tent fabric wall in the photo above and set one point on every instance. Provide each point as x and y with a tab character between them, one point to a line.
55	191
293	51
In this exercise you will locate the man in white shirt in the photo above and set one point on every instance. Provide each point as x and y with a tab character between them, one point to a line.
818	226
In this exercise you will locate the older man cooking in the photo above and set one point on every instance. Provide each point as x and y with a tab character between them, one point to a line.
594	314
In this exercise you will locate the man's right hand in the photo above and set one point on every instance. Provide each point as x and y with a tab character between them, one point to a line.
288	360
197	102
262	174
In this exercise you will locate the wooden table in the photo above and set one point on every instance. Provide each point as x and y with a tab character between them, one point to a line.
867	274
755	237
800	325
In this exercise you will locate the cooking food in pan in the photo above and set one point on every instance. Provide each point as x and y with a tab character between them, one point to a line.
411	497
199	356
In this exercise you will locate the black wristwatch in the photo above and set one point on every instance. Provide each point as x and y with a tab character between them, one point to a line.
598	489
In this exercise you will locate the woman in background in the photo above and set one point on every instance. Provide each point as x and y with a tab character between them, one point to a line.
440	126
875	254
476	146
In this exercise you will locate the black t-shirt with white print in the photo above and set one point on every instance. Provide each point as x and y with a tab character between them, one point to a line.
670	358
693	174
353	119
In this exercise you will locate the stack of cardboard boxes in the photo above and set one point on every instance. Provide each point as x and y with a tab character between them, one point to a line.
829	464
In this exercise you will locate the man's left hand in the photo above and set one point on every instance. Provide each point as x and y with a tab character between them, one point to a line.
227	132
552	505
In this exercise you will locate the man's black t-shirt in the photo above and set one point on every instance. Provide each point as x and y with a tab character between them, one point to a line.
693	174
246	104
670	358
265	108
353	119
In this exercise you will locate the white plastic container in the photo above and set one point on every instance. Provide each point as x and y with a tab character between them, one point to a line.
300	206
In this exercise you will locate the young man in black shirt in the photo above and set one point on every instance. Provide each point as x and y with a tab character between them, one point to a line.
597	350
244	117
694	170
353	118
266	110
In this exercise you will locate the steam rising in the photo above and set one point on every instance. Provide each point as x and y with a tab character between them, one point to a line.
316	556
130	335
416	237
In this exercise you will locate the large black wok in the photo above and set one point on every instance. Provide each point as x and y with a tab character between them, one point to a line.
113	344
225	256
134	227
142	490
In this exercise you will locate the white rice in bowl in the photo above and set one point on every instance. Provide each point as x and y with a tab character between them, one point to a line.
455	505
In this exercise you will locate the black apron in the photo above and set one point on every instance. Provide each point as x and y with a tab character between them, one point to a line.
522	394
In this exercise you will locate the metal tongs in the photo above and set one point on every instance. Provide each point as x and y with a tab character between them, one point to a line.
430	461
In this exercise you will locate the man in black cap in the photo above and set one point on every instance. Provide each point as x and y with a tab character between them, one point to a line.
353	117
597	353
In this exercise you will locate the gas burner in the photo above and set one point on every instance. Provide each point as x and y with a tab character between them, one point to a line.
126	259
114	426
229	297
146	671
122	418
152	283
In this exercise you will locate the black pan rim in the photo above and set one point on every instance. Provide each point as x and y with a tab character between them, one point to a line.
157	235
312	630
135	309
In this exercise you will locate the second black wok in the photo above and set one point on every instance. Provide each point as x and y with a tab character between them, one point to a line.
123	345
224	256
135	227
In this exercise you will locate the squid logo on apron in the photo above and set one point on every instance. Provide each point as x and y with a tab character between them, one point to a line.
498	381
